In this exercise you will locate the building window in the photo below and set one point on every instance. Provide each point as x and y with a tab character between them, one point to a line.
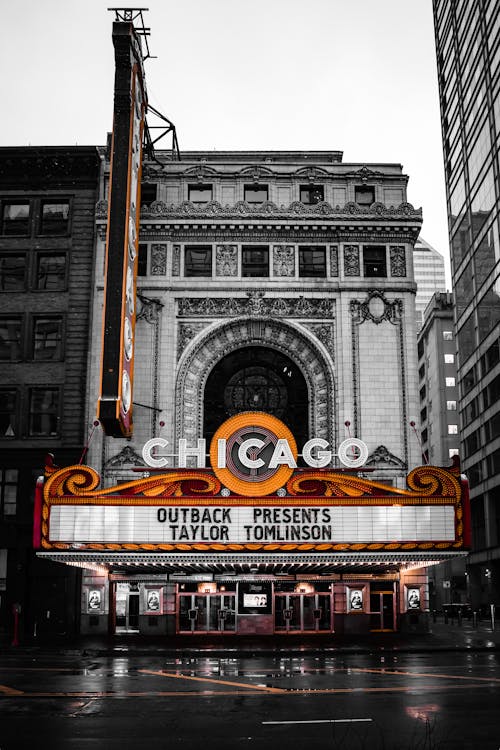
449	359
8	412
447	335
311	194
452	452
312	261
44	411
47	339
8	491
148	193
452	429
12	272
374	262
54	218
451	405
51	271
10	339
200	194
450	382
16	217
142	260
198	260
364	195
255	193
255	261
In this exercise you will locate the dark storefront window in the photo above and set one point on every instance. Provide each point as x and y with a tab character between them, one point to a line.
10	339
466	339
198	260
200	194
486	256
255	261
464	289
364	195
51	271
54	217
8	412
44	411
12	272
311	194
8	491
142	260
15	218
47	338
488	311
312	261
148	193
374	262
255	193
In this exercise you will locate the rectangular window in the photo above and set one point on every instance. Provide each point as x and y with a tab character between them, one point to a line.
47	339
374	262
198	260
447	335
449	359
44	412
148	193
16	217
312	261
200	193
451	405
8	491
255	193
8	413
255	261
10	339
364	195
142	260
51	271
450	382
12	272
452	429
452	452
311	194
54	218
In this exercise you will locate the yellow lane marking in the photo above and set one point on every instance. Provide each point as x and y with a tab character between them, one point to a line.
215	693
6	690
260	688
391	672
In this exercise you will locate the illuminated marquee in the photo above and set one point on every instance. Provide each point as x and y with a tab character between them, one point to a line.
117	365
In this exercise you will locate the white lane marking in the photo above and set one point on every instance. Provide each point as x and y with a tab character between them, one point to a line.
317	721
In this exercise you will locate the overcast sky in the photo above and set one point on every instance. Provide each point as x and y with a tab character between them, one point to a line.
357	76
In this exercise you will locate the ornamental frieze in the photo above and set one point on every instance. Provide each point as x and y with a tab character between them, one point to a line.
255	304
162	210
398	260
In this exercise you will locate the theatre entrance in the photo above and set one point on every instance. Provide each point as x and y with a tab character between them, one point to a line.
302	613
126	607
206	613
382	607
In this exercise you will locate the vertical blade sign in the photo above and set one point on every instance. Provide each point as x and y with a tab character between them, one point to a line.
117	360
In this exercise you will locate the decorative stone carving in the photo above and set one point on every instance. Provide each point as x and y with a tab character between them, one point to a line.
325	333
398	260
377	308
187	331
101	210
126	457
284	260
226	260
382	455
176	260
148	309
334	260
255	304
351	260
158	260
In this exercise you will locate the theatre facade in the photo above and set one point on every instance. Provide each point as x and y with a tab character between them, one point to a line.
273	307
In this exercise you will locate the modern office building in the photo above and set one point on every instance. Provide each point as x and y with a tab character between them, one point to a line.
428	268
47	207
468	55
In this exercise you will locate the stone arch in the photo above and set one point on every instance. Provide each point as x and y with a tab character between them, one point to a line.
215	342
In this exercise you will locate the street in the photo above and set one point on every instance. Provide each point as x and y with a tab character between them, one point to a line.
445	701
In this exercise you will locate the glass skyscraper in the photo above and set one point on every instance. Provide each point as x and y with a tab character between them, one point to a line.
468	56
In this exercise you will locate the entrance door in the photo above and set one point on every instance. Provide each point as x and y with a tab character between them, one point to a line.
127	608
206	613
382	614
302	613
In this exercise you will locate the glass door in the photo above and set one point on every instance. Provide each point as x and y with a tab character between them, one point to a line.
382	614
206	613
126	608
302	613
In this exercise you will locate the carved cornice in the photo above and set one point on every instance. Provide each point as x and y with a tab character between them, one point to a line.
382	455
376	308
255	305
126	457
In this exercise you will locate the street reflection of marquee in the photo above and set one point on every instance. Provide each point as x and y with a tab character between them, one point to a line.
317	510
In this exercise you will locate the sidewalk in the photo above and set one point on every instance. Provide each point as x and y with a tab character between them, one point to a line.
444	637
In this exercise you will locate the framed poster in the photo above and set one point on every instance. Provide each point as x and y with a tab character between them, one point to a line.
355	599
95	599
153	601
413	598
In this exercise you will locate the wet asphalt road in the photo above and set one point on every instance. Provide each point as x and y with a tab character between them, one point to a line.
424	701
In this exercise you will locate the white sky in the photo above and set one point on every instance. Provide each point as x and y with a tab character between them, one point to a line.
357	76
